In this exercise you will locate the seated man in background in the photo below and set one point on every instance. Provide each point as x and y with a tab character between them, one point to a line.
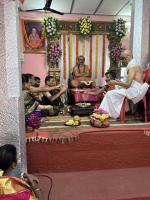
109	75
81	74
53	97
37	81
30	103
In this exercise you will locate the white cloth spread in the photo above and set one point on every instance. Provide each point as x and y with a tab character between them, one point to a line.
113	99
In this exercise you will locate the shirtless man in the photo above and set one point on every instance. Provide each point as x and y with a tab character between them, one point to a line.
53	97
109	75
133	87
30	102
81	73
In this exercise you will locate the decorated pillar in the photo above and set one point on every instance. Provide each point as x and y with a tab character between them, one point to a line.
117	32
50	29
12	127
140	31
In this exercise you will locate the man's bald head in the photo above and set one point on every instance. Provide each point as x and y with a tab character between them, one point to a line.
127	55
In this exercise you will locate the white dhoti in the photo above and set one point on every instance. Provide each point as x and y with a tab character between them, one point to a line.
113	99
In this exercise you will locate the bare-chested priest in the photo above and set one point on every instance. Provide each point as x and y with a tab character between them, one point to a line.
81	74
132	87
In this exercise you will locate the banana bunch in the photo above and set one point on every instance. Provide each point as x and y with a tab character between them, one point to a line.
101	117
72	122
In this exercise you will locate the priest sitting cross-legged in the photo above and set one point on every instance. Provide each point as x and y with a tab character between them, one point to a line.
132	88
81	74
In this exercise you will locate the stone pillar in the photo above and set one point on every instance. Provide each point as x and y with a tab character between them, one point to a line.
12	127
140	31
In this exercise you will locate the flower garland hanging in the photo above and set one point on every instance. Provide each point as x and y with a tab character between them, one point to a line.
50	26
115	51
118	30
54	53
85	26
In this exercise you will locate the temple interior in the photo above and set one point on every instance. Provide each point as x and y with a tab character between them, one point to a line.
75	96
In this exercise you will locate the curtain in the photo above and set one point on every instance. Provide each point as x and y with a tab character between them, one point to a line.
95	51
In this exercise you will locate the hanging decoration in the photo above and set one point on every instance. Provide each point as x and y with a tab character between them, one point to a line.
50	26
96	58
53	53
77	48
83	46
85	26
118	30
70	51
91	44
103	55
64	55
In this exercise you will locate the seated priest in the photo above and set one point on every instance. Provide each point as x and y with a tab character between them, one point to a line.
147	79
132	87
81	74
54	97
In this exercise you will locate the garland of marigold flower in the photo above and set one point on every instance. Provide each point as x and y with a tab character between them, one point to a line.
77	47
64	55
96	58
83	46
27	39
91	41
70	51
103	55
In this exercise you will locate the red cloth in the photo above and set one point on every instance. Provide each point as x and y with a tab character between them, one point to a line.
80	96
147	75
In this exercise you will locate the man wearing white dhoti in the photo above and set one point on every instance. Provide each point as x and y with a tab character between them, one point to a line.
132	88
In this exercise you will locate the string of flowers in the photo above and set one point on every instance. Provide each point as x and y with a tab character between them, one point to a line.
115	51
85	26
118	30
54	53
50	26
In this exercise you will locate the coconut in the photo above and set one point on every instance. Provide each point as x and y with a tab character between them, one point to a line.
76	118
97	123
105	123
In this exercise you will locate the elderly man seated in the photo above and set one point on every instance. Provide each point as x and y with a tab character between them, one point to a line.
133	88
81	74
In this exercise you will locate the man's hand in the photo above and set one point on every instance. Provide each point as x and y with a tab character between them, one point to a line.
112	82
63	88
31	180
58	86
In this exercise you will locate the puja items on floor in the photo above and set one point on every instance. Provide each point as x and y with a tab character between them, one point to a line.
75	121
99	118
